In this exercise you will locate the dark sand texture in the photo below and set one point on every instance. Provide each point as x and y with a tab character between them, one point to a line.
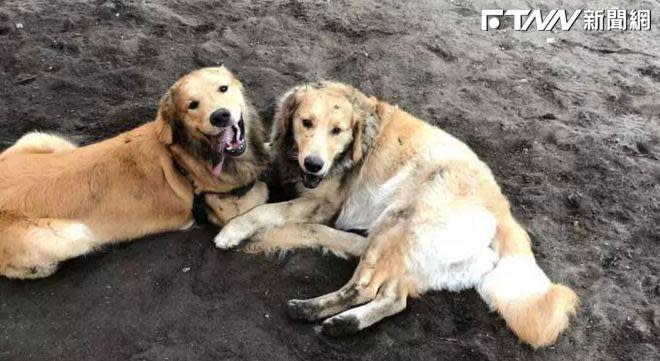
570	129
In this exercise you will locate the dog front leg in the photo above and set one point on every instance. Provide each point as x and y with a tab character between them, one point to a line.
307	235
222	208
299	210
199	174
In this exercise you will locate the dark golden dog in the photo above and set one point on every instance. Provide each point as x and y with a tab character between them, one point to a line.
59	201
435	217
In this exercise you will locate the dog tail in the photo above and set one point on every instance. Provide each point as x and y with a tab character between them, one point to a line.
534	308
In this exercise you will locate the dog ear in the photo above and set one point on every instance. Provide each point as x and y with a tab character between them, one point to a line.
167	107
363	107
167	115
285	109
357	137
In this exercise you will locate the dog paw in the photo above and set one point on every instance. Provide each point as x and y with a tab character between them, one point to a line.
300	310
340	326
230	236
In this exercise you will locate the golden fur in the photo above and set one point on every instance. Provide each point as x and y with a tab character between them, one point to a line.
59	201
435	217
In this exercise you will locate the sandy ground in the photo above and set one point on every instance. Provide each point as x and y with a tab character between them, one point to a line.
570	129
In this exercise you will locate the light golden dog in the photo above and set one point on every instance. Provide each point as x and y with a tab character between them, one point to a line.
436	219
59	201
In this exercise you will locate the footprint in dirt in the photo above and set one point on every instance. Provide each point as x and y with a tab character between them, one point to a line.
651	71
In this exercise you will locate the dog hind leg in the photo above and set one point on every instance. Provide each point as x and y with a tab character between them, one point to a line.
33	248
381	262
330	304
389	301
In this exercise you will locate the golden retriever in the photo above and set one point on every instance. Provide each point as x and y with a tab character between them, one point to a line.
435	217
59	201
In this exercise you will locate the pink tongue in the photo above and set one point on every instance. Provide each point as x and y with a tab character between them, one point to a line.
217	170
224	139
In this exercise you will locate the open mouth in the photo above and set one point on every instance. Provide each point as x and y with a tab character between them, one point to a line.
311	180
230	141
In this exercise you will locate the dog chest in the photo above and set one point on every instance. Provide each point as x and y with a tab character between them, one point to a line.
366	202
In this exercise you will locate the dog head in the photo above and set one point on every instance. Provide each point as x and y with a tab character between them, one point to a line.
205	110
326	123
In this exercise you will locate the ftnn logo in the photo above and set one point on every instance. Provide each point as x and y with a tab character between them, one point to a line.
490	19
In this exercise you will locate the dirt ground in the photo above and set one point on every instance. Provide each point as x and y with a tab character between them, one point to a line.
569	122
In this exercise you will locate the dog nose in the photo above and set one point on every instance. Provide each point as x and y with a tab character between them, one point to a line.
313	164
221	118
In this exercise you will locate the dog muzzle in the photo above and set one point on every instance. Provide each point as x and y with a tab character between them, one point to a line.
311	181
230	141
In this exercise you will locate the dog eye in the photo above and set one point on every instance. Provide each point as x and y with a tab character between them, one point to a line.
223	88
307	123
193	104
336	131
